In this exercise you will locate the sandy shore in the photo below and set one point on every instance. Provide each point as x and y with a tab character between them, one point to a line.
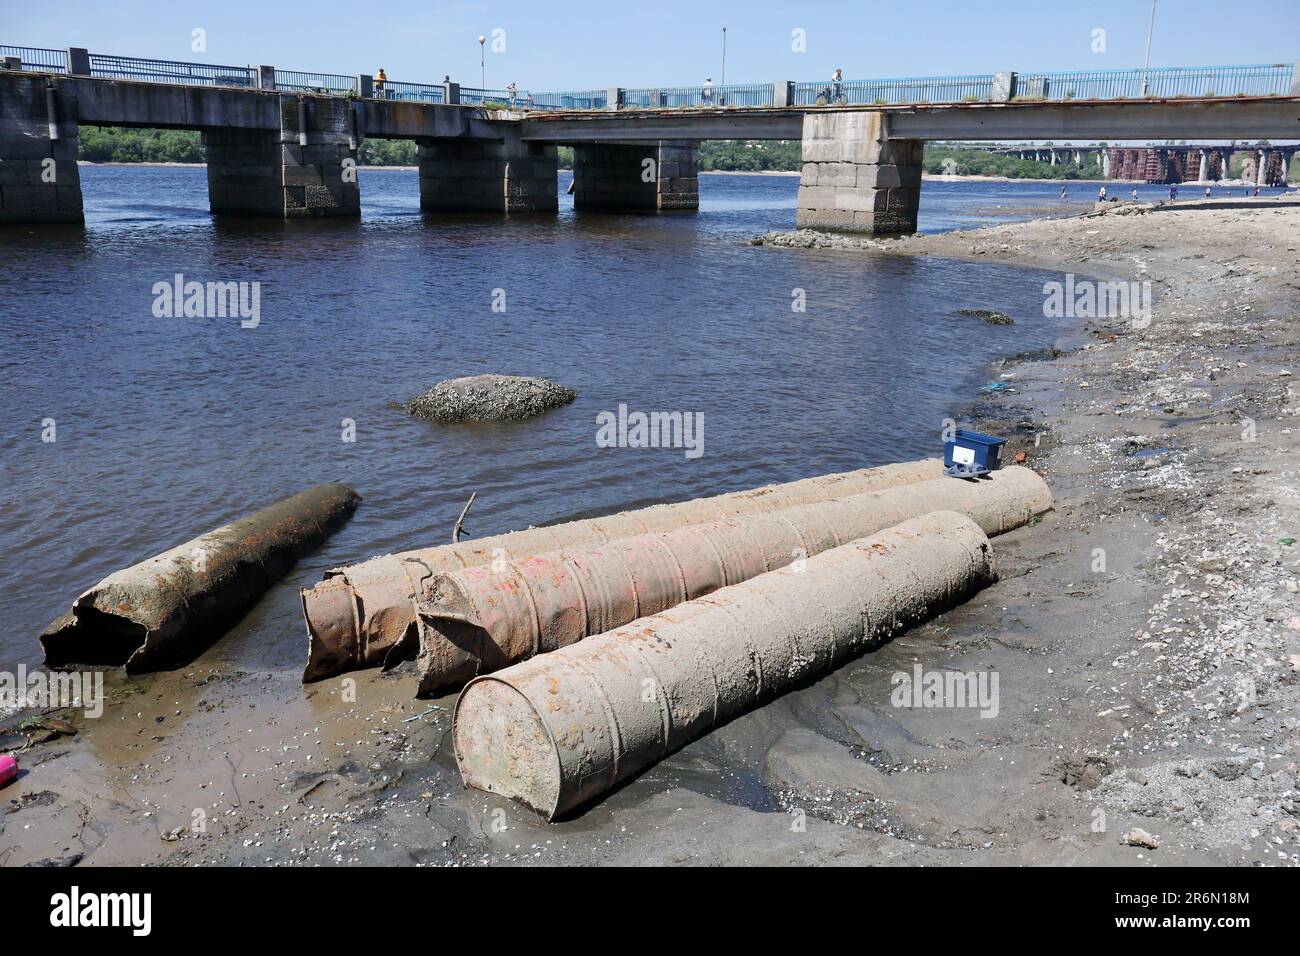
1146	634
1155	611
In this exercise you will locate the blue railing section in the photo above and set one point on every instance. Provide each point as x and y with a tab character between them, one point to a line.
333	83
570	100
38	59
682	97
1262	79
477	97
170	71
917	89
414	92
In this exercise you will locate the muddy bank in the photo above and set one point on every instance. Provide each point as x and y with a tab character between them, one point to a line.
1142	634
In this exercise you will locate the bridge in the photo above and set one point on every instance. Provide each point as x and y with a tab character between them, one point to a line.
284	143
1167	163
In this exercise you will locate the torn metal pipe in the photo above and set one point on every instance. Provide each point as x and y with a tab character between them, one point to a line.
365	615
481	619
163	611
557	730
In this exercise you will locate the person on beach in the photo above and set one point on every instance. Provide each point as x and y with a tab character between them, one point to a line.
1207	192
1062	194
706	94
1173	193
380	79
1101	194
1256	192
1135	194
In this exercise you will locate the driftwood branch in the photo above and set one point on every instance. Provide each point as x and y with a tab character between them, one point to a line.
455	532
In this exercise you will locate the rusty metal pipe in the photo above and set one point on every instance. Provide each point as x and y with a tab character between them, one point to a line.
164	610
481	619
364	615
562	728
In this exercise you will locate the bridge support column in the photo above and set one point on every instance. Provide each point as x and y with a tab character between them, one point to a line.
856	179
658	175
487	175
39	179
307	170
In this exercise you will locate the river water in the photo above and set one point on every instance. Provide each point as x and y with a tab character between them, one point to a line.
166	427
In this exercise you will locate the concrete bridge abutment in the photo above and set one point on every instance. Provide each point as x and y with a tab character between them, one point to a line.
488	175
39	178
656	175
856	179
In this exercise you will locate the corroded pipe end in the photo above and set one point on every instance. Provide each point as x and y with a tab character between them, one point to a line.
502	746
333	629
453	640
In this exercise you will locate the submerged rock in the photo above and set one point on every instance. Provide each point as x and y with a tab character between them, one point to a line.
489	398
991	316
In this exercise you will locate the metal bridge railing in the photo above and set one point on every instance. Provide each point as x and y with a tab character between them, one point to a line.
972	88
569	100
747	94
331	83
685	97
671	97
471	95
1263	79
170	71
38	59
1266	79
413	92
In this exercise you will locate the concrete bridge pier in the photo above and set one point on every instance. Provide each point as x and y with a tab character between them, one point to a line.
307	169
656	175
856	179
39	179
487	175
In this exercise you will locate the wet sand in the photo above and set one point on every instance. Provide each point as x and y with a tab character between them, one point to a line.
1160	691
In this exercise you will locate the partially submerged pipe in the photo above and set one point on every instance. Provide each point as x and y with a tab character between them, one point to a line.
364	615
481	619
162	611
562	728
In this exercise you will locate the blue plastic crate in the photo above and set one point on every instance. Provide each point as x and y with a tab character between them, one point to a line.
971	454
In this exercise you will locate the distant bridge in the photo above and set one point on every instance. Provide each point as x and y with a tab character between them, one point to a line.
1167	163
284	143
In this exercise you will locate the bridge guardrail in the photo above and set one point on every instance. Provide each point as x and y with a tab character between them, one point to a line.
106	66
1260	79
569	100
38	59
973	88
330	83
702	96
475	96
411	92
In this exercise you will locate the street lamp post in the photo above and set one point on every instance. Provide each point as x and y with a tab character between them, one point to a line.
482	67
1146	67
722	86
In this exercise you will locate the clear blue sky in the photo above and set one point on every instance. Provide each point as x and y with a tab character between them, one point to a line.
551	46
